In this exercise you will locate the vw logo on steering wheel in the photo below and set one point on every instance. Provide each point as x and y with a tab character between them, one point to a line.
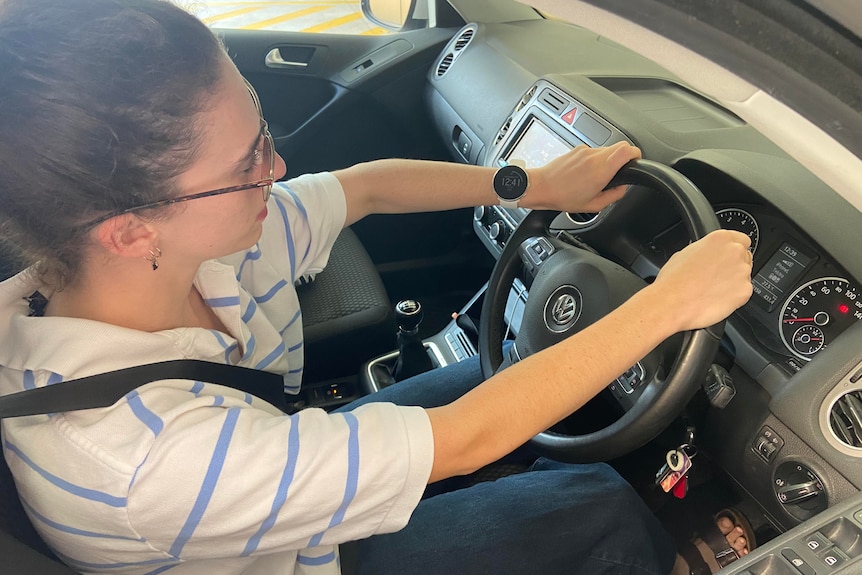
563	308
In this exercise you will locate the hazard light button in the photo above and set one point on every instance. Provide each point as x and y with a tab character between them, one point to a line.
569	116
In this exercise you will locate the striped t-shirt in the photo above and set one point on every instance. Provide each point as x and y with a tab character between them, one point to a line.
183	477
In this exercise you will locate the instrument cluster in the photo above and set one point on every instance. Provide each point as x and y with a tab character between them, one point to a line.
806	297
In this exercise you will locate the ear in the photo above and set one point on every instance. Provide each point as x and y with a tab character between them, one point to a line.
127	236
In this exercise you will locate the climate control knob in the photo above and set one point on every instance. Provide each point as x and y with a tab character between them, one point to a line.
479	213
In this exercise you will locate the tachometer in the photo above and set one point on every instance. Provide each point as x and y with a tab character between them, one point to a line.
816	313
741	221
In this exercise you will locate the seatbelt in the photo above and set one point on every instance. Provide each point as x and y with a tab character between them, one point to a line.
105	389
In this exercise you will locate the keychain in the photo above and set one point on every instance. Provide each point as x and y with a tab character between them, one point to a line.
674	472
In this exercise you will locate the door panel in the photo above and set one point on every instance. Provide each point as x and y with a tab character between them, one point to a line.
342	100
356	98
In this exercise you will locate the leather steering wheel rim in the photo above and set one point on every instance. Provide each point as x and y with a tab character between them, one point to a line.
659	404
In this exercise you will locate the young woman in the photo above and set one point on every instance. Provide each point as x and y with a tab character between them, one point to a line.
137	175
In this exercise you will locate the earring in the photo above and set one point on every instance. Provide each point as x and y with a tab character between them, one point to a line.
154	258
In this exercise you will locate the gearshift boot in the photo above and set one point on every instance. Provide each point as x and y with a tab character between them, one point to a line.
412	357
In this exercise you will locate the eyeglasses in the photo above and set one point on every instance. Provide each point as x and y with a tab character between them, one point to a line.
266	156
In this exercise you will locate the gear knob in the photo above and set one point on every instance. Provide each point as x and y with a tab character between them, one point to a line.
408	315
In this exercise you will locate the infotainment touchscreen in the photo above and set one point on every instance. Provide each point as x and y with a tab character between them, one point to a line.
537	146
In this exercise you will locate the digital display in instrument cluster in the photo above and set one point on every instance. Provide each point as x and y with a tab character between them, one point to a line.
537	146
779	275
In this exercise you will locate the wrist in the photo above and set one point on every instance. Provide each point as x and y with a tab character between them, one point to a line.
658	311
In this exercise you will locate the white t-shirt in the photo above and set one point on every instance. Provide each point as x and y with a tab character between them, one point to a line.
192	478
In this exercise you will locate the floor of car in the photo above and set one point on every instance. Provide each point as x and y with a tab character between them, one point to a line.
709	492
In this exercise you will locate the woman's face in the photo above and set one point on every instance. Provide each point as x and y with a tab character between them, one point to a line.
230	153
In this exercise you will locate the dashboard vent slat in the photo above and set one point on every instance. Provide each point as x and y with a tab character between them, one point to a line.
846	419
553	100
464	39
454	49
443	67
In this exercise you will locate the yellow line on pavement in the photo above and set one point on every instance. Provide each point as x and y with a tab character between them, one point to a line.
284	18
297	2
374	32
334	23
231	14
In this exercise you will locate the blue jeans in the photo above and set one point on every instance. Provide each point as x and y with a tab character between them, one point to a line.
554	518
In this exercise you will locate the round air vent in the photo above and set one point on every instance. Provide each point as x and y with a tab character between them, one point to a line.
454	48
845	419
582	218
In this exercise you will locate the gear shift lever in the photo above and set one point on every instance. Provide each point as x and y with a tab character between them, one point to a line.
412	357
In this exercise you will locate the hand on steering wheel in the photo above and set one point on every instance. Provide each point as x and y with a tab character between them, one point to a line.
573	288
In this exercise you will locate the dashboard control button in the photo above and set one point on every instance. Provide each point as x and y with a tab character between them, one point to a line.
767	443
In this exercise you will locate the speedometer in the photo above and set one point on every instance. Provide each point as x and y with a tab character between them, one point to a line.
816	313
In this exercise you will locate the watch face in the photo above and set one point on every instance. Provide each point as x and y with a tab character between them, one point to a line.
510	182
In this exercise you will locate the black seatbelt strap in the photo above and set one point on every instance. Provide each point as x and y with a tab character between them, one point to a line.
105	389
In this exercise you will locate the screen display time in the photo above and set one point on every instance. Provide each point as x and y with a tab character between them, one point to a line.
778	276
537	146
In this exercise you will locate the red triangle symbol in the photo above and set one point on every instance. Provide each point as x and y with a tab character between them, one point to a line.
569	116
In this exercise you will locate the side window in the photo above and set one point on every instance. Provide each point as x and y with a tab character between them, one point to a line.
314	16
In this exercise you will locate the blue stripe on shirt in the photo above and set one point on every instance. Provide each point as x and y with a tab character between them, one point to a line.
251	255
228	349
304	212
292	321
282	489
77	490
352	476
73	530
147	417
209	483
249	312
227	301
249	346
291	249
322	560
271	293
29	379
271	357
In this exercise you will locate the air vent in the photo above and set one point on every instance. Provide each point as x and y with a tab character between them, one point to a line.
464	39
582	218
525	99
503	131
845	418
553	101
454	49
444	64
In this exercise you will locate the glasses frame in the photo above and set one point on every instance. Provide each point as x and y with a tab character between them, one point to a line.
265	184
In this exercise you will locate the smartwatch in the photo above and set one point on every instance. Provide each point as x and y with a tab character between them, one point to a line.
510	185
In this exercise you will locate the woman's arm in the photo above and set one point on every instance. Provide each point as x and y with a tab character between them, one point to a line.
572	182
698	287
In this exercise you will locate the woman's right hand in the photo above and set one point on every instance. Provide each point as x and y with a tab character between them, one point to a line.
706	281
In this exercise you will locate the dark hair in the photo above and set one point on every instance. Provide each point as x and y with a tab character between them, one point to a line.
97	106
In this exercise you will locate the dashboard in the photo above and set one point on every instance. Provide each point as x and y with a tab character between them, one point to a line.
530	91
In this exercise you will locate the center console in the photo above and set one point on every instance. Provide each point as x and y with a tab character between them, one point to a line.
545	124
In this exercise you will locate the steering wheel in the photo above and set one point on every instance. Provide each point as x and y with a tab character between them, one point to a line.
572	288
